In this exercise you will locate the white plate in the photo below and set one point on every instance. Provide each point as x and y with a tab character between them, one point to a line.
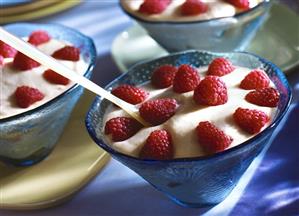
276	41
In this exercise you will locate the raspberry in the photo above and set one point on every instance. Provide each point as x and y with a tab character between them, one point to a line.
129	93
220	67
158	111
39	37
256	79
23	62
158	146
267	97
186	79
211	91
154	6
25	96
7	51
1	60
55	78
211	138
193	7
163	76
241	4
122	128
250	120
67	53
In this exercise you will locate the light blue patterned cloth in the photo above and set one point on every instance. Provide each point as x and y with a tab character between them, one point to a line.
269	187
102	20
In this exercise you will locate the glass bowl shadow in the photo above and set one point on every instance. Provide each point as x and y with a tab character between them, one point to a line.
29	137
198	181
224	34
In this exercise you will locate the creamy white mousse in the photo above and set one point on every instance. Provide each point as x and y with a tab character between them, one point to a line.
11	78
182	125
216	9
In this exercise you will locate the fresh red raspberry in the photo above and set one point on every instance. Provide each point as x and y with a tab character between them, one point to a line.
250	120
55	78
67	53
1	60
158	146
220	67
163	76
211	138
186	79
256	79
129	93
154	6
122	128
211	91
193	7
23	62
25	96
241	4
39	37
158	111
267	97
7	51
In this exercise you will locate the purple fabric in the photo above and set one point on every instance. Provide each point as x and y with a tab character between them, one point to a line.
274	189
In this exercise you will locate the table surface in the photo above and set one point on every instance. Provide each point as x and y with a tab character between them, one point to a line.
271	185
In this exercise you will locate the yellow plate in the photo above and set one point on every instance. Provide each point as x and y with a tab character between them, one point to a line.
35	10
74	162
25	8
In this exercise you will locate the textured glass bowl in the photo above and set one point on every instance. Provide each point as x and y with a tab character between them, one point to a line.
29	137
197	181
218	34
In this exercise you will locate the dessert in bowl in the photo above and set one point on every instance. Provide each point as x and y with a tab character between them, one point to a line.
196	169
36	103
219	26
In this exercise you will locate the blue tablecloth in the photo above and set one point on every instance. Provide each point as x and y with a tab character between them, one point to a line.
270	186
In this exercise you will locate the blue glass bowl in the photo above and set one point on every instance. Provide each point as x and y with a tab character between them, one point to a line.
218	34
196	181
29	137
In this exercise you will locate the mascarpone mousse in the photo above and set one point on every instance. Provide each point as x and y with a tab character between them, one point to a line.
182	124
216	9
11	78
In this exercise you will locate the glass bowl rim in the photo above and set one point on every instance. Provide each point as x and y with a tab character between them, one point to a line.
93	54
237	16
113	152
